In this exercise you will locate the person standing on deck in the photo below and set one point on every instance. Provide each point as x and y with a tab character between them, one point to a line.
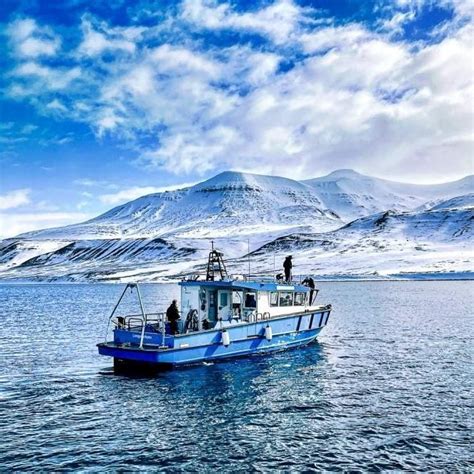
172	314
288	265
309	282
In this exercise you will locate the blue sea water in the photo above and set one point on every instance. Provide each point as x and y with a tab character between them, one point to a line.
389	386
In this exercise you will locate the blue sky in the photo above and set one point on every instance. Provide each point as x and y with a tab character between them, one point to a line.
104	101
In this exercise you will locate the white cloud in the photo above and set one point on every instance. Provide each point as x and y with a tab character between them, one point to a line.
29	128
329	38
18	223
98	39
345	96
396	22
463	8
45	78
279	20
31	41
195	150
167	85
16	198
56	105
92	183
45	205
178	60
137	191
368	103
82	205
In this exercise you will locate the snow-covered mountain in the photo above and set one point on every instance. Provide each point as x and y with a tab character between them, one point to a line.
436	240
352	195
229	202
100	259
165	234
458	202
168	228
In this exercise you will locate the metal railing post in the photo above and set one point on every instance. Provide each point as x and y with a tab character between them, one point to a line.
143	316
115	309
163	330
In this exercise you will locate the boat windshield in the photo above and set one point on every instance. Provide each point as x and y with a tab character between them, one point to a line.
286	298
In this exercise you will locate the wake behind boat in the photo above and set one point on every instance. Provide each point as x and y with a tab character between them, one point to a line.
224	317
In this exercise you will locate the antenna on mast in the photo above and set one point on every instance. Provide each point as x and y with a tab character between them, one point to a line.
248	255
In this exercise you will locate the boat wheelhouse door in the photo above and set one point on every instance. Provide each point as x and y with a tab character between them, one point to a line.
224	302
212	313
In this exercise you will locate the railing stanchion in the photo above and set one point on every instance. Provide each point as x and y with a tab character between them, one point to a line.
115	309
143	316
163	329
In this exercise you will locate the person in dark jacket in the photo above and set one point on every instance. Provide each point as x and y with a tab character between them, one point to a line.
172	314
288	265
309	282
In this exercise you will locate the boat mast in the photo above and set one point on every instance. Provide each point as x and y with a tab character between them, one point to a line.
215	264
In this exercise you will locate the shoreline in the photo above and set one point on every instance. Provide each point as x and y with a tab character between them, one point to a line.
415	277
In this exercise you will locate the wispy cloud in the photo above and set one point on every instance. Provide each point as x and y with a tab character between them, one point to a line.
12	224
44	78
94	183
279	20
14	199
99	38
30	40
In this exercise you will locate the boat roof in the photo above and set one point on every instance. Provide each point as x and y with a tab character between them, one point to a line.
254	285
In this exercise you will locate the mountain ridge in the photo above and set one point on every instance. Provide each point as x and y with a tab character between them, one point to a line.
436	240
167	233
232	181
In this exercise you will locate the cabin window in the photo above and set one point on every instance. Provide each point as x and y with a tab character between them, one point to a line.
299	299
237	299
274	298
224	299
286	298
250	300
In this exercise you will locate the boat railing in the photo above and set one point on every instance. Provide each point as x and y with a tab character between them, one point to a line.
255	317
265	278
134	321
143	317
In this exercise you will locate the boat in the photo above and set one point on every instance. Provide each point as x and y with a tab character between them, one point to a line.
221	317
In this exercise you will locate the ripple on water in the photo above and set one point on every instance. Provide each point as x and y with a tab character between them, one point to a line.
388	386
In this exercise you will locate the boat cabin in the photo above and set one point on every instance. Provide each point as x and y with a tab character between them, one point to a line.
230	302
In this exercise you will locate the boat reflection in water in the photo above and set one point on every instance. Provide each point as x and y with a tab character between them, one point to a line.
224	317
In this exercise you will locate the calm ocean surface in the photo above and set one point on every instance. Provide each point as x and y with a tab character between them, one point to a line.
389	385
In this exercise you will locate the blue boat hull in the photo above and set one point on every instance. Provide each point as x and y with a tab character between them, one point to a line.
245	339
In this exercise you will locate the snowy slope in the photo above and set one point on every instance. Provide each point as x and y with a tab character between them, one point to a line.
97	259
229	208
352	195
230	202
458	202
166	234
440	239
